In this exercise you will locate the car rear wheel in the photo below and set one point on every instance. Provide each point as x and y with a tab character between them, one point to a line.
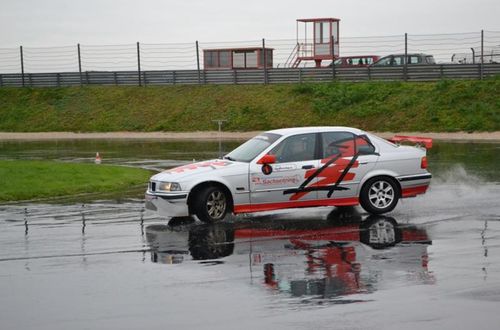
379	195
211	204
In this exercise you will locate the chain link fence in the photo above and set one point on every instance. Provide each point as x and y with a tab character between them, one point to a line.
172	63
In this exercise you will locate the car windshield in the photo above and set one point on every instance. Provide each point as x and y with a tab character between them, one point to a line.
430	59
384	61
250	149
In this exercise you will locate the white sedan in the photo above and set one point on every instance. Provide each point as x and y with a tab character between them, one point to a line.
296	167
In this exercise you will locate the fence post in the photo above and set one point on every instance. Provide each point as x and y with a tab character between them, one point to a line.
198	61
405	74
80	64
264	60
482	53
333	57
139	63
22	64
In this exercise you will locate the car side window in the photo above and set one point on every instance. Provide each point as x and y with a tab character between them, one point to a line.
414	59
365	146
332	142
398	60
335	142
295	148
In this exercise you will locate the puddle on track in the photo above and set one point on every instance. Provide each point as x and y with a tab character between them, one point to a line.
434	262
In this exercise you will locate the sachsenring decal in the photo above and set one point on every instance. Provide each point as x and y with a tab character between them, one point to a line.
213	164
280	180
284	167
335	168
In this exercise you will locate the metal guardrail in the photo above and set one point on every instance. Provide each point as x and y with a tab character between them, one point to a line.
274	76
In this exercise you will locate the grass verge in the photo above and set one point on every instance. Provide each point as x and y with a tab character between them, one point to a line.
443	106
26	179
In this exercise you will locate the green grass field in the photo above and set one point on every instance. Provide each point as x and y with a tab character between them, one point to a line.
443	106
24	180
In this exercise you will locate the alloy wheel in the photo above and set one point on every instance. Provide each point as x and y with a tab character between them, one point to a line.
216	204
381	194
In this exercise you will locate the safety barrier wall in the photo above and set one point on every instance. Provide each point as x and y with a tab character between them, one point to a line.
271	76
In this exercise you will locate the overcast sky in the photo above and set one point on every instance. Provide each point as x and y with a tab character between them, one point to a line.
67	22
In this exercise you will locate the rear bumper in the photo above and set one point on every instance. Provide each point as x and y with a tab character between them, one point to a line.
168	205
414	185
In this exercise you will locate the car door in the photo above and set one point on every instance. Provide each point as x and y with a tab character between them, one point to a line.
347	158
297	157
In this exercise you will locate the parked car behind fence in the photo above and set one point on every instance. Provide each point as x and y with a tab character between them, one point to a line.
412	59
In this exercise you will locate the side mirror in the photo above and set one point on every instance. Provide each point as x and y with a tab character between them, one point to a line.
267	159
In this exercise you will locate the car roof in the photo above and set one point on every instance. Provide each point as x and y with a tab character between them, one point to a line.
357	56
316	129
409	54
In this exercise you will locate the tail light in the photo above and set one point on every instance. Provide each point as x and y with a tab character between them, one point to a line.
423	162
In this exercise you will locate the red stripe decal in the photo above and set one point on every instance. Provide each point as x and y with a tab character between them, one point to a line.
247	208
344	233
414	235
414	191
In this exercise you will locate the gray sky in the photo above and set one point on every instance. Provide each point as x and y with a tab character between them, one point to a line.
67	22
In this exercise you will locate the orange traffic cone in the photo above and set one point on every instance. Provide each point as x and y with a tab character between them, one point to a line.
97	158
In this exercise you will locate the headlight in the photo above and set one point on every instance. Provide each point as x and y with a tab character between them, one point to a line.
168	186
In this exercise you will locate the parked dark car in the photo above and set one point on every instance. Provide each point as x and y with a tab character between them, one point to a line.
412	59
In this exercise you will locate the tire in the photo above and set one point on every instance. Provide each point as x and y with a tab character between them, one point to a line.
211	241
177	221
380	232
344	215
211	204
379	195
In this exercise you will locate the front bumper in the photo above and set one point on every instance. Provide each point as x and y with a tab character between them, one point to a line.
168	205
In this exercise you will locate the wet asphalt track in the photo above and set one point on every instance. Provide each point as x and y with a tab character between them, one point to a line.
112	265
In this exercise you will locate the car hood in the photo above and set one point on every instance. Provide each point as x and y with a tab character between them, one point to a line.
209	167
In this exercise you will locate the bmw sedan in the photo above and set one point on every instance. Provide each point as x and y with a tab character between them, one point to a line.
296	167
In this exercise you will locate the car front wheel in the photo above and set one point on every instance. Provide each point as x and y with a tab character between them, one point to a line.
379	195
211	204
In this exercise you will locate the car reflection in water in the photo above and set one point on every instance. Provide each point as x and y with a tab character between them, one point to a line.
313	260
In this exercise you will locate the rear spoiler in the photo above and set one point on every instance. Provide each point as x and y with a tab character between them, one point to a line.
422	141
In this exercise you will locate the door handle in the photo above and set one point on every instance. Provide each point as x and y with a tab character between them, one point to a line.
307	167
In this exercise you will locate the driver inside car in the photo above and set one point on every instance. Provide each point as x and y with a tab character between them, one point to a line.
296	150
